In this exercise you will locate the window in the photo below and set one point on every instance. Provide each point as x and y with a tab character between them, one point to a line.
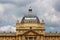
30	38
26	38
34	38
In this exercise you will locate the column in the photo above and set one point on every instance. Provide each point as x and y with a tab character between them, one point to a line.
19	37
23	37
38	38
32	38
41	37
28	38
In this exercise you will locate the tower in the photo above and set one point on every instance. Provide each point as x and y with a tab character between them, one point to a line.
30	27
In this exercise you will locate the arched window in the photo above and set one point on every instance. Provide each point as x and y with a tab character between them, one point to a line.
34	38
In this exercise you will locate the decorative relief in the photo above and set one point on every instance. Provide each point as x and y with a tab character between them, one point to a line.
21	27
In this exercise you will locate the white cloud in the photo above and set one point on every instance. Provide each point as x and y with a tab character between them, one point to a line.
54	18
7	29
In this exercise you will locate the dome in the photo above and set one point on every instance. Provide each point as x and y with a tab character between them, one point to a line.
30	18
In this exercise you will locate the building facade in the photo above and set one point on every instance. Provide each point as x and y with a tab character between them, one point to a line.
30	28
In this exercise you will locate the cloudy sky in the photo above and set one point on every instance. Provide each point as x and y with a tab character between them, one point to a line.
11	10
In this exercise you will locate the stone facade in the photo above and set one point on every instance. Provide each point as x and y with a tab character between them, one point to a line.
31	30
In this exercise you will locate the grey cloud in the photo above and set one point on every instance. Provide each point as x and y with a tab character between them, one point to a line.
20	8
57	5
7	17
18	3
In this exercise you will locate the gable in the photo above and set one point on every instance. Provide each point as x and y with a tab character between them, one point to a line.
30	32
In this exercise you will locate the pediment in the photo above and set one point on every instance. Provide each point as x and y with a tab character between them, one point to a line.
30	32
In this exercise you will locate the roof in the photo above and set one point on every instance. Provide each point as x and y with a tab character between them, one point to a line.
30	18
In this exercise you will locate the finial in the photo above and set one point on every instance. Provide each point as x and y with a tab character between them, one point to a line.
56	31
50	32
17	21
30	9
42	20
